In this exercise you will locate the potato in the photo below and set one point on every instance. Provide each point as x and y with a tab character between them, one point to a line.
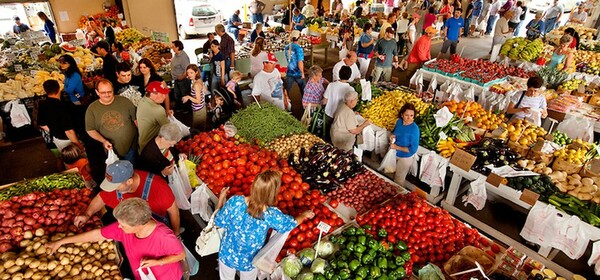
13	269
41	250
575	182
96	246
9	263
586	189
28	261
547	170
87	267
111	256
28	273
34	264
61	250
91	251
99	272
114	267
46	277
64	261
106	266
8	255
584	196
85	245
17	276
81	253
62	274
104	245
5	276
587	181
570	187
83	274
69	250
98	255
20	261
76	251
94	268
37	276
74	271
52	265
24	243
43	266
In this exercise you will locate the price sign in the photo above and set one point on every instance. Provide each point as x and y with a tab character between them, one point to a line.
443	135
34	73
160	36
463	160
529	197
35	53
89	68
18	67
495	180
324	227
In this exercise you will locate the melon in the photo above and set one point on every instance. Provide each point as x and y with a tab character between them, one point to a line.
68	47
55	48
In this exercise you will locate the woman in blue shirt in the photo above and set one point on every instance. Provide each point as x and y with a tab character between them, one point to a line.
366	42
298	20
405	140
73	80
246	221
48	26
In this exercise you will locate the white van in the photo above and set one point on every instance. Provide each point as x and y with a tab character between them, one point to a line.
198	18
542	5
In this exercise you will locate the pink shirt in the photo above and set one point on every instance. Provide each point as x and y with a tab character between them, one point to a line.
429	20
390	3
161	242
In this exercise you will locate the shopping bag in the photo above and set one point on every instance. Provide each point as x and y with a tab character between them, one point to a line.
192	263
343	52
200	203
540	219
570	237
265	258
477	194
112	157
366	90
18	114
368	135
185	130
318	125
146	276
306	116
388	164
432	85
230	129
358	152
180	191
209	240
577	128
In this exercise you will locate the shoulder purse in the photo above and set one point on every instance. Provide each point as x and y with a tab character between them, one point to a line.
209	240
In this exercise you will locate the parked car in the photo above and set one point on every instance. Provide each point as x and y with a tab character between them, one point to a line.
543	5
198	19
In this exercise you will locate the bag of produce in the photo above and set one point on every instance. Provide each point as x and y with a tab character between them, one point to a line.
291	266
180	190
577	128
431	272
200	205
265	258
388	164
185	130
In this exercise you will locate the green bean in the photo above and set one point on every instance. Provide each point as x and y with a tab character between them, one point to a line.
263	125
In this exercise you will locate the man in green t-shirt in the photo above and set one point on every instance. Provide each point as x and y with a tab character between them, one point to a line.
150	114
111	121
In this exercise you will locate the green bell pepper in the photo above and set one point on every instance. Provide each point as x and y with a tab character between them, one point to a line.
372	253
367	259
333	239
341	240
367	227
329	272
336	277
399	261
350	246
354	264
372	243
318	276
383	277
401	272
382	263
344	273
362	272
382	233
362	240
359	248
349	231
401	245
405	255
360	231
375	272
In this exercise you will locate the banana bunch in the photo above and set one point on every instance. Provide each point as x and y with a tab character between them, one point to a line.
518	45
507	46
446	148
532	50
383	110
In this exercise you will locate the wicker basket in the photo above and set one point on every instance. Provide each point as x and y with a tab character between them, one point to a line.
517	148
569	167
465	259
540	157
591	169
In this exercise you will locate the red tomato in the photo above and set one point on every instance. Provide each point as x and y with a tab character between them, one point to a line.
295	185
301	237
286	179
293	243
298	194
334	203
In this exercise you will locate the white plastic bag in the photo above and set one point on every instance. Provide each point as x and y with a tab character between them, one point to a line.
368	139
442	117
570	237
577	128
112	157
180	191
343	52
230	129
265	258
541	217
192	262
200	203
477	194
358	152
366	90
388	164
18	114
185	130
148	276
432	85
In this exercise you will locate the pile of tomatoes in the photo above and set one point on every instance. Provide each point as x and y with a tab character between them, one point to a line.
225	162
432	235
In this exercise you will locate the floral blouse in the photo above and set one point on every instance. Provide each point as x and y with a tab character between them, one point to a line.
245	235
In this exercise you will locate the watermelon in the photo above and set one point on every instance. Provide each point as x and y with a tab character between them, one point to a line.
68	47
55	48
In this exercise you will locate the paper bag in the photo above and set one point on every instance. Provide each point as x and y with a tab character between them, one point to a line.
477	194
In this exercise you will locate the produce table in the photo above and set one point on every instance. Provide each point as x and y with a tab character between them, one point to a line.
546	253
584	111
482	93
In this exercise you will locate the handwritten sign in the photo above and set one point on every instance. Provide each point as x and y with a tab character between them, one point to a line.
324	227
160	36
89	68
18	67
529	197
495	180
498	132
463	160
77	42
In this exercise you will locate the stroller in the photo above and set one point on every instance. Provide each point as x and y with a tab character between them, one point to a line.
228	107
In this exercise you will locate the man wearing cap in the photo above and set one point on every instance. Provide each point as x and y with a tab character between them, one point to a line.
350	61
268	85
294	54
453	28
111	121
122	182
150	114
20	27
386	52
420	53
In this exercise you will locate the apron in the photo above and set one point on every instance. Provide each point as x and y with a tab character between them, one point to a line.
145	194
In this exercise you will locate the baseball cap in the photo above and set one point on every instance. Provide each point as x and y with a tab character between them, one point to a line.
295	34
116	173
157	86
389	30
271	58
431	30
